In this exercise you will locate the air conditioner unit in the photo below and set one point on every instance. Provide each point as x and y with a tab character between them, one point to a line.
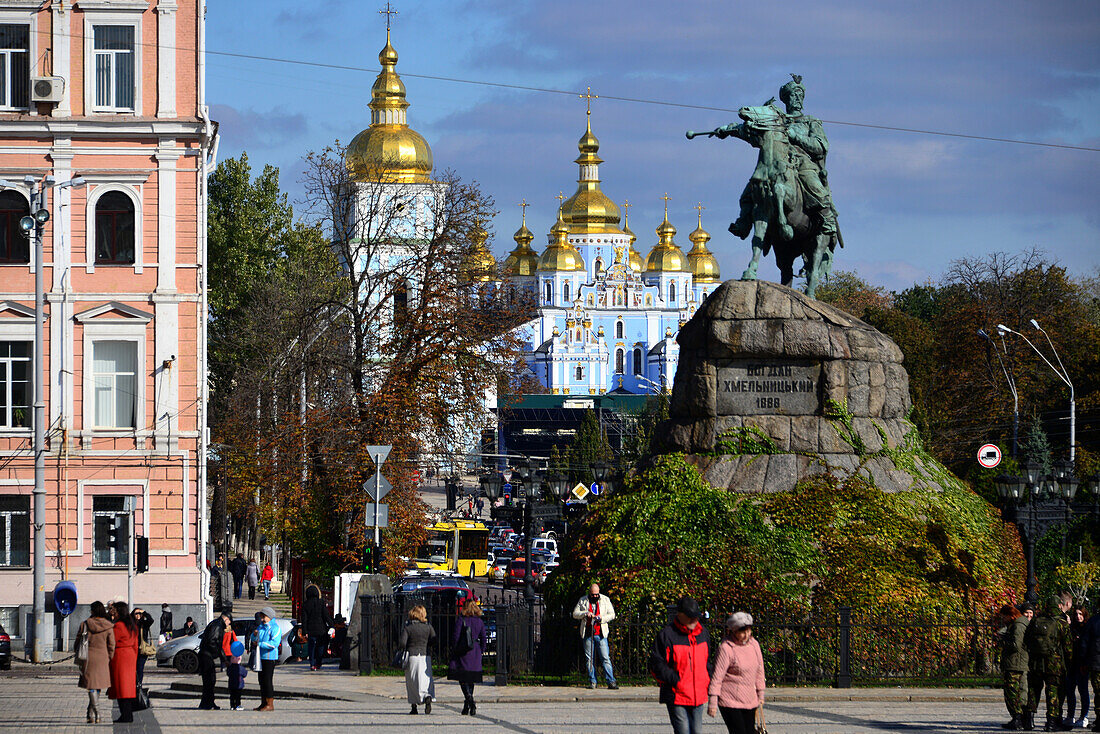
47	88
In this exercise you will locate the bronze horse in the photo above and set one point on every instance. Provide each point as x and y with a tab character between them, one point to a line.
780	221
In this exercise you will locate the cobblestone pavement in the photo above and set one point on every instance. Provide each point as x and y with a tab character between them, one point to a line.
53	703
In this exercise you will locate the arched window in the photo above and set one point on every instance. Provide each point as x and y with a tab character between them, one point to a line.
549	293
672	292
15	247
401	301
619	329
114	229
565	293
580	373
637	360
620	358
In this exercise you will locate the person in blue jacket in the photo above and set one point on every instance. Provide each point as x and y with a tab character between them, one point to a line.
267	638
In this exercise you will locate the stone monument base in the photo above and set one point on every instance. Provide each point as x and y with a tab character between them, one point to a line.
826	389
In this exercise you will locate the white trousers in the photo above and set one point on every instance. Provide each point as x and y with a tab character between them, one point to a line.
418	678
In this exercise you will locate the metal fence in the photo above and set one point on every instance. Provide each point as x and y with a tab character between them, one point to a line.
840	647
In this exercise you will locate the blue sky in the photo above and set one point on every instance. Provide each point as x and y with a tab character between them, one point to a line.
908	203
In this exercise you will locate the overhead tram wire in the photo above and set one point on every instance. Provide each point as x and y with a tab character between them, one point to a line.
618	98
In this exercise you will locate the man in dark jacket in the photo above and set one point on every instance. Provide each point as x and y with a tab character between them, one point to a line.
1014	664
210	649
1049	648
679	663
315	622
1091	635
237	567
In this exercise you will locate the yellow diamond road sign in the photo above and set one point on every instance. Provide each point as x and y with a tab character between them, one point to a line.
581	491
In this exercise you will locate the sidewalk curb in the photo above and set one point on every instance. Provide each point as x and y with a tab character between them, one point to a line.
650	695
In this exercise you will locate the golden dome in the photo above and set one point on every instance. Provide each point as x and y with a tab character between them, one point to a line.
560	255
589	210
480	265
666	256
701	261
389	151
523	260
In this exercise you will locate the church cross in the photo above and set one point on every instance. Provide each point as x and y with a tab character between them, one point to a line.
667	199
626	208
588	97
523	205
559	197
699	207
388	11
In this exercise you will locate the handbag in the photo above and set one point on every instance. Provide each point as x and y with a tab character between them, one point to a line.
465	642
141	701
400	659
146	648
81	653
254	659
761	725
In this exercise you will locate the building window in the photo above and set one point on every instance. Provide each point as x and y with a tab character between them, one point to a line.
109	512
401	301
620	358
565	293
580	373
114	229
15	384
114	375
15	530
549	293
15	247
637	361
14	71
114	67
672	292
619	329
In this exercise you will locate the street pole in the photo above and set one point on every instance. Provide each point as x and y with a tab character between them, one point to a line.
38	653
377	492
130	503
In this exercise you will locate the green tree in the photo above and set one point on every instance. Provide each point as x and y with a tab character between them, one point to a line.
589	446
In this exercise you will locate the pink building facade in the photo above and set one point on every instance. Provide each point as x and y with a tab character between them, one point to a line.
110	92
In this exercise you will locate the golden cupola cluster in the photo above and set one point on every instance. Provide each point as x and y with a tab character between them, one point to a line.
701	261
523	260
589	210
634	259
389	151
480	265
560	255
666	256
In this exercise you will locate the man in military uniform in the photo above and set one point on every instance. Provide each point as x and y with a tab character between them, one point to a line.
1049	647
1014	664
809	147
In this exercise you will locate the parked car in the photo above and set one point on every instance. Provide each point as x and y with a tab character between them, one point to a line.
415	582
5	649
182	653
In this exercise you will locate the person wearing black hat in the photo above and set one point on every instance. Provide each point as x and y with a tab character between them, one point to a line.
679	663
210	648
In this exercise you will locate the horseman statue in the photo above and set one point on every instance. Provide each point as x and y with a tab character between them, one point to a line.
786	204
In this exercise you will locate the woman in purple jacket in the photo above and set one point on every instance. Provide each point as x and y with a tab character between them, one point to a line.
466	658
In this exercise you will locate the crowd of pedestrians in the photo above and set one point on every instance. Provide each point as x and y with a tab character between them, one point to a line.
1056	651
109	656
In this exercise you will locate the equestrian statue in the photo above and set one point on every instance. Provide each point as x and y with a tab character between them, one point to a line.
786	204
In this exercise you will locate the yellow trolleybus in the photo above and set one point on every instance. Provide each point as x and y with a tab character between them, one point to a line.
456	545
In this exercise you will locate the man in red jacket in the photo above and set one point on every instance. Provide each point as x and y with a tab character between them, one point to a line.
679	663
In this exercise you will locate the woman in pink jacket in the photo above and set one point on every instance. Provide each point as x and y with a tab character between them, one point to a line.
737	686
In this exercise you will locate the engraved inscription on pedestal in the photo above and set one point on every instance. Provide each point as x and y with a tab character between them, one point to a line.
769	387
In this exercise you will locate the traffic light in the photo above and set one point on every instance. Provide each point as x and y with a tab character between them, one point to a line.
141	554
507	500
116	537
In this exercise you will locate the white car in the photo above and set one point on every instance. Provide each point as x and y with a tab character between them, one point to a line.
182	653
546	544
499	568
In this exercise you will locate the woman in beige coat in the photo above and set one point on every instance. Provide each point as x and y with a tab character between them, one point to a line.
95	673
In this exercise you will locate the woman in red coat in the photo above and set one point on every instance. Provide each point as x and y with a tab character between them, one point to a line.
124	663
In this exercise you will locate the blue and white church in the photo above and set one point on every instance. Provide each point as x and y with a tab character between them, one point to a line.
607	319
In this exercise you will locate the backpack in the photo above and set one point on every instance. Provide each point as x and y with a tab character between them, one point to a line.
1041	636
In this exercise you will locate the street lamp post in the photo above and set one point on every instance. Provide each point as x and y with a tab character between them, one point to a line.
1063	375
1036	503
1011	386
32	226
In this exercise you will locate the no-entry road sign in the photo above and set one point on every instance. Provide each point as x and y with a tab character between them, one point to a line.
989	456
